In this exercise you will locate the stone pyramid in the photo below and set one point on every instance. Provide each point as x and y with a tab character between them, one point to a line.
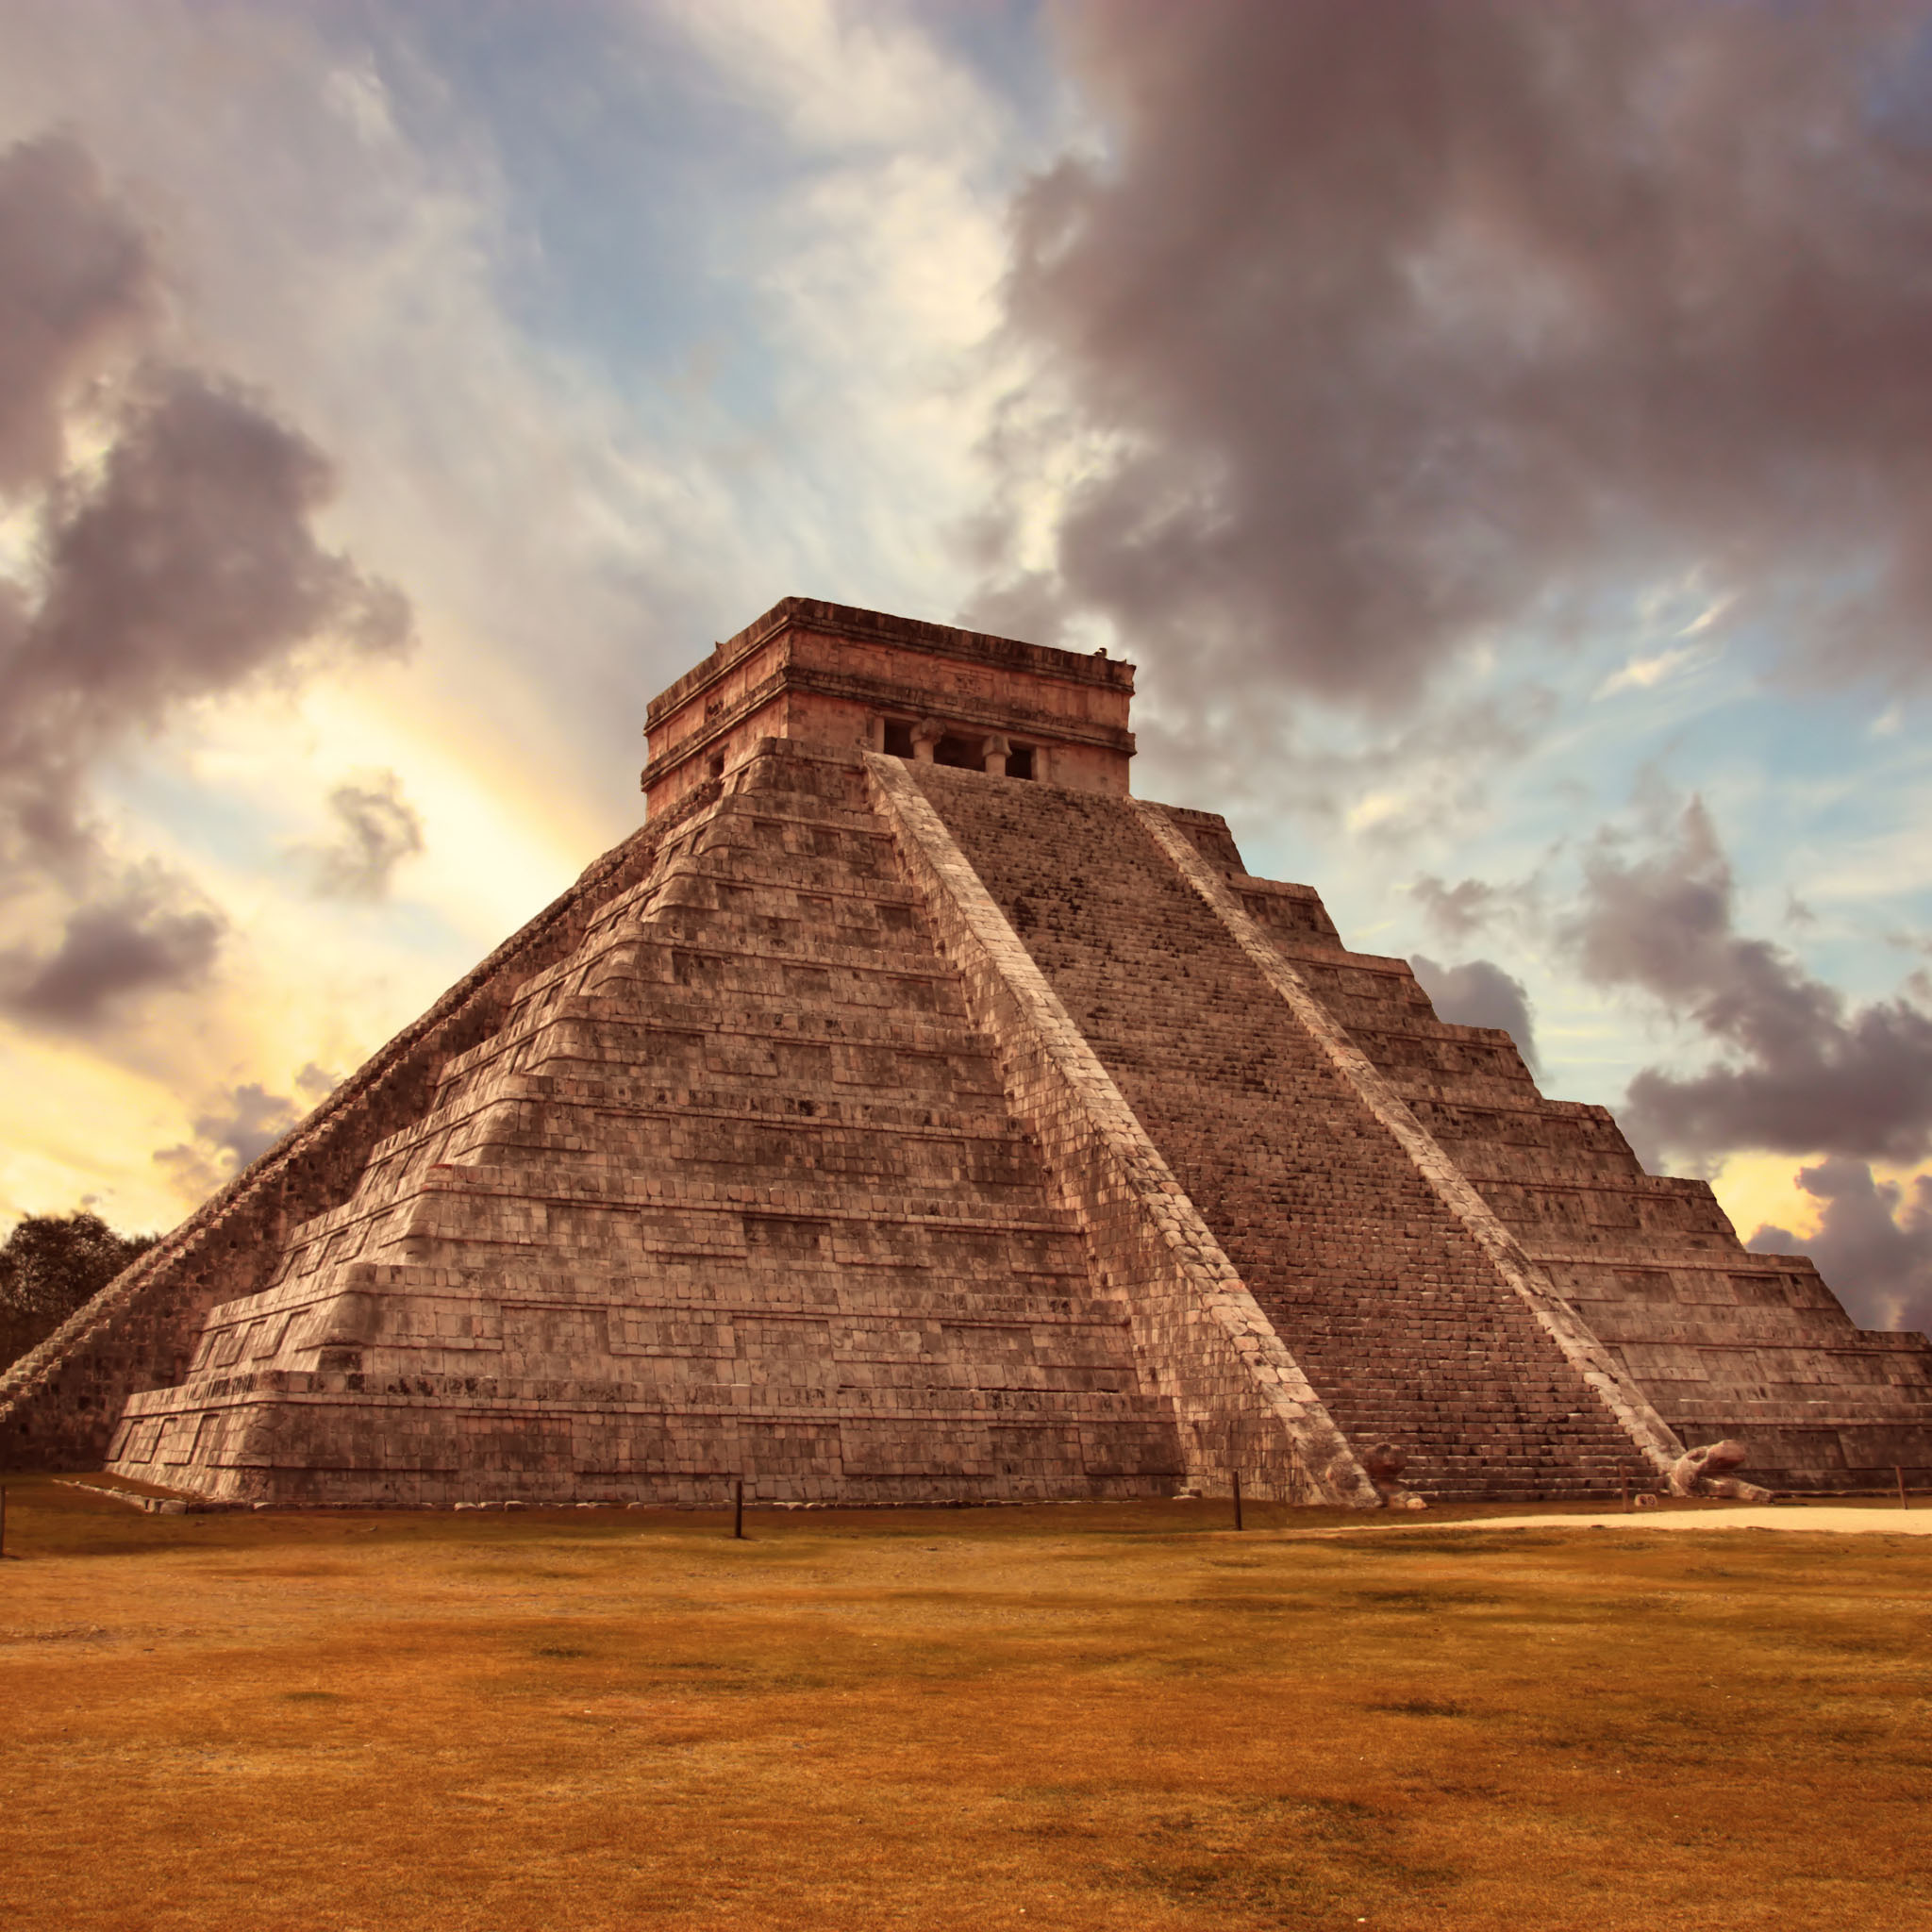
907	1113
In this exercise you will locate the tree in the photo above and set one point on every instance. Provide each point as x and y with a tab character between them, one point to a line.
49	1266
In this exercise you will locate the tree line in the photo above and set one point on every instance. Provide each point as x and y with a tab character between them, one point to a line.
50	1265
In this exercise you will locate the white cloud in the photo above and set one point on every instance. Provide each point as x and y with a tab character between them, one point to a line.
837	78
876	261
1708	615
1646	673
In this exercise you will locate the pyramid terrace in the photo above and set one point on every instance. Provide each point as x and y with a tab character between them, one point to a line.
907	1113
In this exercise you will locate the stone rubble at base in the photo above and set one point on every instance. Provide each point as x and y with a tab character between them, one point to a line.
906	1114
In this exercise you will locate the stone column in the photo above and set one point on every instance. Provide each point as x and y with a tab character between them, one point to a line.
925	735
995	750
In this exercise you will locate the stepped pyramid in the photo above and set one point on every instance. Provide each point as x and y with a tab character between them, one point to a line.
907	1113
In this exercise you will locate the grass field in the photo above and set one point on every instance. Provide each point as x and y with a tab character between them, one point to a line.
1087	1716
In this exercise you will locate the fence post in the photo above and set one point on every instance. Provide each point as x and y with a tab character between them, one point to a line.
738	1508
1900	1473
1238	1499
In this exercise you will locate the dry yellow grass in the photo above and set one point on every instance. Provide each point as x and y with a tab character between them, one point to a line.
1073	1716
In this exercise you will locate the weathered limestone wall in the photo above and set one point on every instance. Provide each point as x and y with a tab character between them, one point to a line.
61	1404
1242	1397
732	1192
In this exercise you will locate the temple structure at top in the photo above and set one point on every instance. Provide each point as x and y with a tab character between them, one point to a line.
824	674
907	1112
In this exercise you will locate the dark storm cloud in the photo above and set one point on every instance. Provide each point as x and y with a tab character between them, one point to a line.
150	934
1807	1075
189	568
1480	993
77	281
379	828
1877	1259
180	564
1459	912
1394	326
239	1125
250	1121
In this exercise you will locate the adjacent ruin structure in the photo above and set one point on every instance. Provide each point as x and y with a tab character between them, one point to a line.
908	1113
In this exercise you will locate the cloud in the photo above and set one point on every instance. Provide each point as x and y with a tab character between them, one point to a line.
1878	1258
1457	912
172	560
152	934
1389	784
241	1125
1808	1075
1480	993
188	569
379	829
1645	674
77	283
1384	330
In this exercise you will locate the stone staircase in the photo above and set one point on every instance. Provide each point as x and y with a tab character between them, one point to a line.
1723	1341
728	1165
1399	1319
733	1192
730	1189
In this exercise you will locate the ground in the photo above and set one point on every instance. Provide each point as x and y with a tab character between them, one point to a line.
1081	1716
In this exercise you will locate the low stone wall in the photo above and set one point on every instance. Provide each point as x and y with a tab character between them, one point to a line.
60	1403
1242	1399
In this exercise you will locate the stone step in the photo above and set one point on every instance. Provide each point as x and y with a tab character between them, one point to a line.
700	1292
889	1201
747	878
508	1112
1875	1405
505	1132
1801	1334
762	936
748	1164
574	1216
671	1037
763	1102
1690	1247
1019	1403
667	1020
1517	1164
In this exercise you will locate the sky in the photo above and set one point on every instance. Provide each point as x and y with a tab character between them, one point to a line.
1500	433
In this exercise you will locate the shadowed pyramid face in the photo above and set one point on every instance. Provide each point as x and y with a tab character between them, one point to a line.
907	1114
